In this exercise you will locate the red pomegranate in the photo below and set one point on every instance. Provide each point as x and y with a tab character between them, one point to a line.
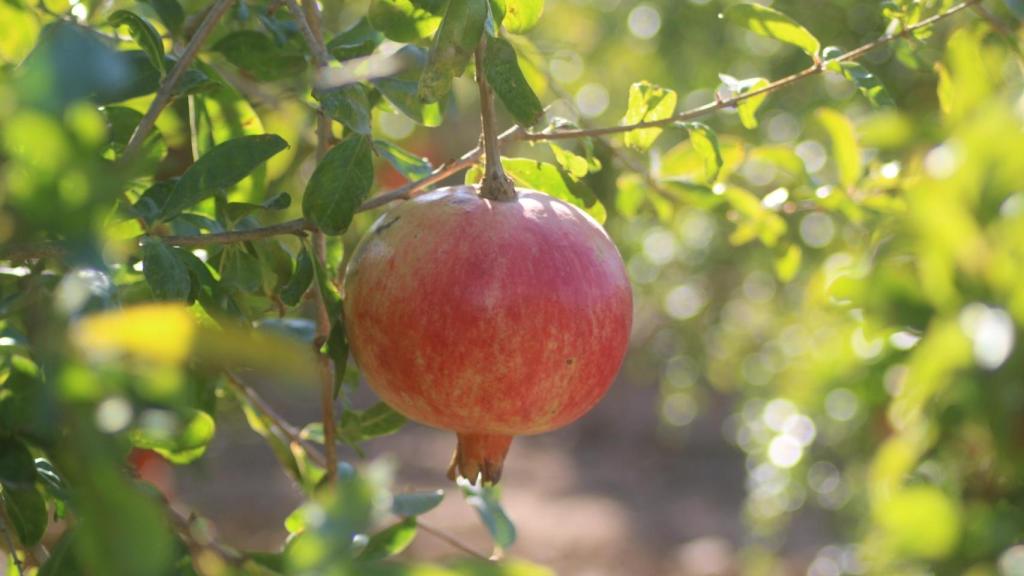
489	318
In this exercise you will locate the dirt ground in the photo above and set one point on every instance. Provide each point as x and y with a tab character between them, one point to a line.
608	495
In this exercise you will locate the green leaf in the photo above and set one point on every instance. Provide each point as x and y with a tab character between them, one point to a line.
787	265
705	143
453	46
165	273
62	560
573	164
647	103
517	16
506	78
378	420
237	210
170	13
258	54
404	20
51	479
409	165
868	84
484	499
121	123
340	183
300	280
416	503
348	104
358	41
390	541
17	468
401	90
746	108
144	35
548	179
1016	6
845	150
773	24
219	169
26	508
179	445
921	522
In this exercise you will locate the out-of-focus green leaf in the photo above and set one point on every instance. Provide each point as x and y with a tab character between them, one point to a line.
846	151
787	265
485	500
181	444
358	41
390	541
25	506
337	350
121	123
868	84
453	47
165	273
339	185
1016	6
144	35
517	16
746	108
416	503
548	179
404	20
409	165
259	55
773	24
401	90
920	521
378	420
647	103
17	468
348	105
705	143
170	13
219	169
62	561
300	279
502	69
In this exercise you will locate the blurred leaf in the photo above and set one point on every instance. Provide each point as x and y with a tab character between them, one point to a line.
337	350
517	16
773	24
378	420
390	541
170	13
300	280
348	105
404	20
337	514
846	151
161	333
401	90
1016	6
165	273
121	124
259	55
415	503
219	169
705	143
453	46
647	103
358	41
17	468
26	509
62	561
485	500
546	178
868	84
787	265
409	165
921	521
340	183
945	88
502	68
144	35
181	445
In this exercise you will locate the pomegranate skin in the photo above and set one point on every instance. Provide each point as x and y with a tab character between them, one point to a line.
491	319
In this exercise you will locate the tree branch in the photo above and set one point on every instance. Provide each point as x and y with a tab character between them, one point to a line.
772	87
166	90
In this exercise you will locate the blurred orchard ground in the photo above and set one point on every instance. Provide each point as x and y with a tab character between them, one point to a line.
826	373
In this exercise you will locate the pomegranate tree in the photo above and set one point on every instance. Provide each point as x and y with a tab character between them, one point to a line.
489	317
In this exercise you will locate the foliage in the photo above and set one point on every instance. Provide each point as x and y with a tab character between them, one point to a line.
846	263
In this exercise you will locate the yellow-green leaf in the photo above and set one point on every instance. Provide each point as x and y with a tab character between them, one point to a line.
846	151
773	24
647	103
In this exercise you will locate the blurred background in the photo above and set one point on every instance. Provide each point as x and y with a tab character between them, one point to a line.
825	374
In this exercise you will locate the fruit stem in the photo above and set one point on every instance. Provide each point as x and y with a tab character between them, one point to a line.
479	456
496	185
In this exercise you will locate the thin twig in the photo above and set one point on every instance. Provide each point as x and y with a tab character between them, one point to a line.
166	90
453	541
736	99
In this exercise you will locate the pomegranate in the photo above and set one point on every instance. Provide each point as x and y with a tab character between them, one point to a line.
489	318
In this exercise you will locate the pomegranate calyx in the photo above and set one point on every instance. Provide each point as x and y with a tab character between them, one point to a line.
479	456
